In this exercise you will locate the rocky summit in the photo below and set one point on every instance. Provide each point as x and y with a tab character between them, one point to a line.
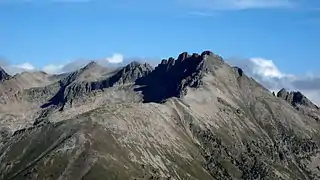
193	117
4	75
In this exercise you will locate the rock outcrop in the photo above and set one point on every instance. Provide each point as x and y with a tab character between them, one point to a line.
301	103
130	73
296	98
4	75
171	77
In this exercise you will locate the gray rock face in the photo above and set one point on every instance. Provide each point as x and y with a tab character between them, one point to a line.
301	103
3	75
213	122
131	72
296	98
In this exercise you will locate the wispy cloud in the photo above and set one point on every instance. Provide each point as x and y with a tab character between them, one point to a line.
27	66
199	13
15	68
238	4
114	60
71	1
53	68
43	1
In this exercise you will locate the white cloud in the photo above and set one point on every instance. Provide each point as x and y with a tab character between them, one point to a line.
27	66
52	69
116	58
265	68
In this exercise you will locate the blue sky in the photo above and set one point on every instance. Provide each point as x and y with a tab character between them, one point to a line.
41	33
275	41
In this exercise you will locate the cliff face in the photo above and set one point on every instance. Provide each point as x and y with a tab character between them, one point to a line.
195	117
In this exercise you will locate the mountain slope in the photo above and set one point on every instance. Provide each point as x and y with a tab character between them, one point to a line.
17	107
191	118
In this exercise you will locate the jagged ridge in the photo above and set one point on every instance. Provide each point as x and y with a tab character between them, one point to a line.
73	86
295	98
172	77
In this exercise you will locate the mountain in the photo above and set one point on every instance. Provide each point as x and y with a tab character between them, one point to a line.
193	117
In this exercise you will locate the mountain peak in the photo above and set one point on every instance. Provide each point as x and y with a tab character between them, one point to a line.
183	56
282	92
136	64
91	64
295	98
131	72
208	53
4	75
172	77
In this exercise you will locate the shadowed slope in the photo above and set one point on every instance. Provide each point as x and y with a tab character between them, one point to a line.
172	77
